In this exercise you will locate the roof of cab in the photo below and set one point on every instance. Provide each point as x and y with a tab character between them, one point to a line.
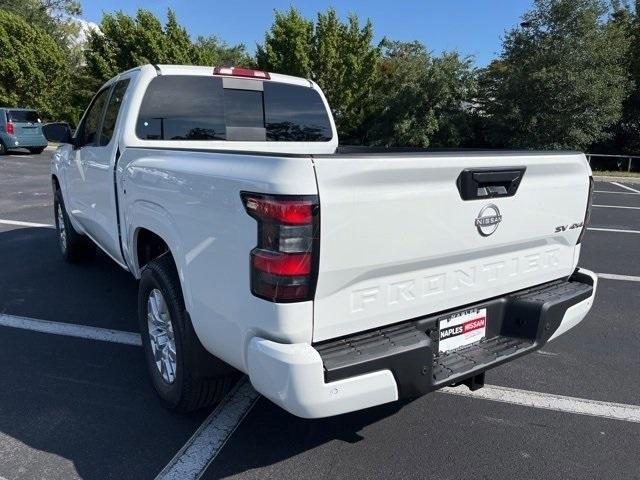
208	71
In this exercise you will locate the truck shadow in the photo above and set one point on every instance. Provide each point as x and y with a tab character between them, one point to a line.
36	283
269	436
89	404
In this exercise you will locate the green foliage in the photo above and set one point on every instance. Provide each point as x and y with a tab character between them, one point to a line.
125	42
560	81
421	100
627	131
338	56
33	69
287	45
52	16
345	66
212	50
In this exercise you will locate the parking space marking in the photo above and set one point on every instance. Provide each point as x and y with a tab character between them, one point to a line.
625	187
616	206
613	276
549	401
19	223
618	193
617	230
205	444
70	330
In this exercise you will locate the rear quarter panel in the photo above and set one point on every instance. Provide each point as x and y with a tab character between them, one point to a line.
192	200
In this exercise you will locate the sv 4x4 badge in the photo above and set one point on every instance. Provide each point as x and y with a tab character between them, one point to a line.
564	228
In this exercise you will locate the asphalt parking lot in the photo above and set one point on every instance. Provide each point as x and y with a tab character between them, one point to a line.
73	407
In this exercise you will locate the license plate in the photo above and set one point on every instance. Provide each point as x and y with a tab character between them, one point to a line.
462	328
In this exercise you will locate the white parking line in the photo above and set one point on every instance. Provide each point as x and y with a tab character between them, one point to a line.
70	330
613	276
618	193
597	229
624	186
616	206
549	401
19	223
205	444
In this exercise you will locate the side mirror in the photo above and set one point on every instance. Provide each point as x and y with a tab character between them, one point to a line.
59	132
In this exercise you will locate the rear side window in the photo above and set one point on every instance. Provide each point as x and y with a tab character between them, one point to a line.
182	108
113	108
201	108
295	114
23	116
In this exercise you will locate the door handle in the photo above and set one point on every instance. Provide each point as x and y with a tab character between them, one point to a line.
482	183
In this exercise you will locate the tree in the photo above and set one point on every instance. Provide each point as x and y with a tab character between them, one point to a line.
560	81
345	64
287	45
212	50
338	56
421	100
124	42
33	69
626	134
53	16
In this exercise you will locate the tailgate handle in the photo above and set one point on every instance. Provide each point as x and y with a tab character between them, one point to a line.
478	184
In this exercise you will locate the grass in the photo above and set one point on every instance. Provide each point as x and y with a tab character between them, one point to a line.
615	173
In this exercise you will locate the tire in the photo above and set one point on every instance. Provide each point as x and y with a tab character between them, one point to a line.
73	246
36	151
175	365
3	149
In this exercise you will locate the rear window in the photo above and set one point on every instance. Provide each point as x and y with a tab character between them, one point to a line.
201	108
23	116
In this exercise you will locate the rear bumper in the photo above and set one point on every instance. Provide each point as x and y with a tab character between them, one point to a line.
19	141
377	367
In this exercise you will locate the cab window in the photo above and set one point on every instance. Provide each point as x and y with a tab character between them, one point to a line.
88	131
113	109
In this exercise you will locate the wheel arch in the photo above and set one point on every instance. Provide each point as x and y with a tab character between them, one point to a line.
149	246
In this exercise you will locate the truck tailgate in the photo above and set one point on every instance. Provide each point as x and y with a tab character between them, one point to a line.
398	241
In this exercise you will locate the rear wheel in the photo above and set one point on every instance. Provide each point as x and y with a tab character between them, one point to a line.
171	349
36	151
73	246
3	149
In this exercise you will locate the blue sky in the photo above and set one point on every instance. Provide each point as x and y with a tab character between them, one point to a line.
473	27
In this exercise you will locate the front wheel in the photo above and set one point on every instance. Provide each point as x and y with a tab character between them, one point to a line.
170	349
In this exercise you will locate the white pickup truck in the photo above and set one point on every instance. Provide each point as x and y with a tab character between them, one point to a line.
335	278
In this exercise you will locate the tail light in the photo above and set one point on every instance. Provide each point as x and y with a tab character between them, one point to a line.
10	128
587	215
241	72
284	264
